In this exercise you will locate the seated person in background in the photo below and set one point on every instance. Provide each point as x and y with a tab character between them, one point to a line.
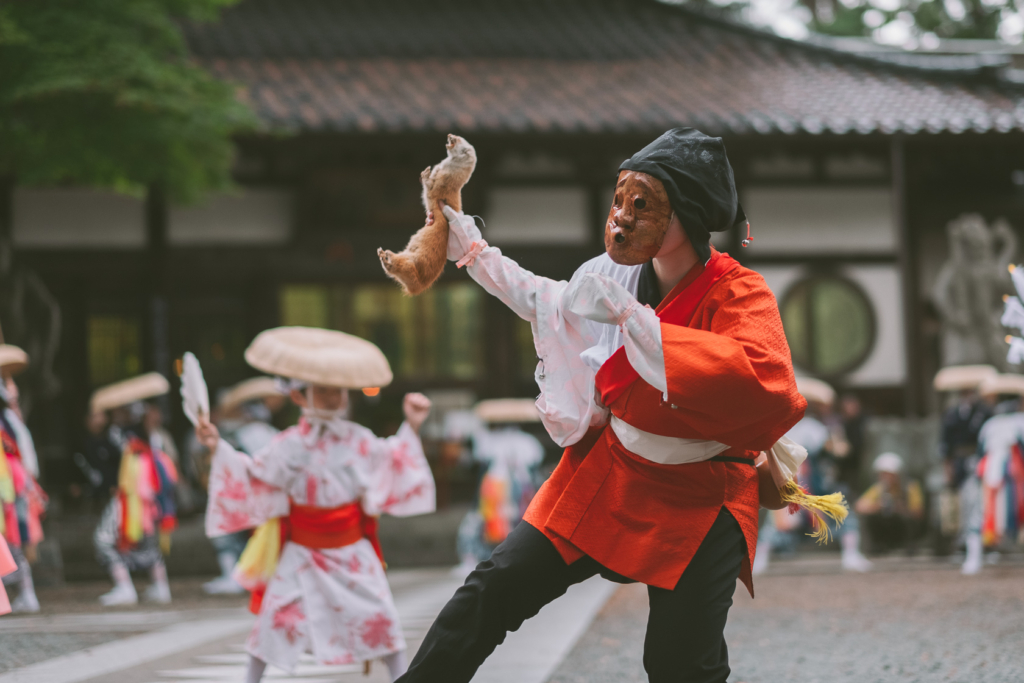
891	508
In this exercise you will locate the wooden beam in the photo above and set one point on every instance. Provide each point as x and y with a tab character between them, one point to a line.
908	277
6	232
157	333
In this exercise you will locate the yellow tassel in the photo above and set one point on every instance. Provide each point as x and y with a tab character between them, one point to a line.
258	562
128	482
832	506
165	543
6	481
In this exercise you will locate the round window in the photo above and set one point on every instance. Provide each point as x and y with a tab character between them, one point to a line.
829	323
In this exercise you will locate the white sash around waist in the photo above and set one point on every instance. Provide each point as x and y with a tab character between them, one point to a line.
664	450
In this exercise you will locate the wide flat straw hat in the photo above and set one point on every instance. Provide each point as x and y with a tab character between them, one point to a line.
500	410
13	360
250	390
129	391
324	357
815	391
963	377
1002	384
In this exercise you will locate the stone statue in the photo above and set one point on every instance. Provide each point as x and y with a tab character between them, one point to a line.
969	289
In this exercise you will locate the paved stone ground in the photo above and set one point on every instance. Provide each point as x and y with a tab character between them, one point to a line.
83	597
912	622
29	639
200	639
22	649
41	641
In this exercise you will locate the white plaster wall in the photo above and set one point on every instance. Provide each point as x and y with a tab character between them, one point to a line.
252	217
536	215
65	218
820	220
886	365
780	278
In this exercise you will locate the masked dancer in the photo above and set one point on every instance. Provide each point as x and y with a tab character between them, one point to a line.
664	370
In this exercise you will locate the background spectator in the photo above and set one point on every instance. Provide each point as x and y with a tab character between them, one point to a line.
891	508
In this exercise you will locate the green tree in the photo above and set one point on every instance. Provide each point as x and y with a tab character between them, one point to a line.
886	20
104	93
943	18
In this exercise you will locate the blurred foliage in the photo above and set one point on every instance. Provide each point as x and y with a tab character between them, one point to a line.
943	19
104	93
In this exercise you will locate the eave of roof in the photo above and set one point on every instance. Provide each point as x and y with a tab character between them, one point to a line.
580	66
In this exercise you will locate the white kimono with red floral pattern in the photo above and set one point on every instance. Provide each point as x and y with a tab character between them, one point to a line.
334	602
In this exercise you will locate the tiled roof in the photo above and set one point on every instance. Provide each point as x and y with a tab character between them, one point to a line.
572	66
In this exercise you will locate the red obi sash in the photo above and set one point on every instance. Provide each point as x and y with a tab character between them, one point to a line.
321	528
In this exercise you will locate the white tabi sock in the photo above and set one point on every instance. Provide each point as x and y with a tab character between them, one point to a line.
397	664
26	600
227	561
853	560
123	592
160	590
255	671
972	564
224	584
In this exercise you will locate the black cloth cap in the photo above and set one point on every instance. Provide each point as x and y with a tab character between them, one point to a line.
697	176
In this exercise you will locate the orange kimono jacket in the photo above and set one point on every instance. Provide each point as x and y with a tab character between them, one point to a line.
730	379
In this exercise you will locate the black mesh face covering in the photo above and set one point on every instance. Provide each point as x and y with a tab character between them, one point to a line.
648	293
698	179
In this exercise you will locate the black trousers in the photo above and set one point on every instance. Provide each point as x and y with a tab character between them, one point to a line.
888	531
684	642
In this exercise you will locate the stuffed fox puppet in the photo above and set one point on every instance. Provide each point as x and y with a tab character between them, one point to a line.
419	266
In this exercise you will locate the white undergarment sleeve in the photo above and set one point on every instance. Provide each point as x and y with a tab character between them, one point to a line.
577	326
571	348
642	339
784	460
566	402
462	232
599	298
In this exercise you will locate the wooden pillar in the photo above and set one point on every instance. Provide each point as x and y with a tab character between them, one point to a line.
6	236
157	328
599	203
913	396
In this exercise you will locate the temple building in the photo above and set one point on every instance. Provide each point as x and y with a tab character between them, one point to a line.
851	164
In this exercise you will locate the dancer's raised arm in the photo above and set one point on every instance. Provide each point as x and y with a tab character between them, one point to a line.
561	337
396	472
240	495
517	287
